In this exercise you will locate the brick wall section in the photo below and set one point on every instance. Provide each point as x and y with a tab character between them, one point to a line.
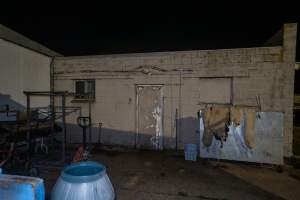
264	71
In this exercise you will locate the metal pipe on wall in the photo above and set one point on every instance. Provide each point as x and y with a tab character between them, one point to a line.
64	127
52	103
178	134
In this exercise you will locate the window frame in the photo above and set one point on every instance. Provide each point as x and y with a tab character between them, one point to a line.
85	95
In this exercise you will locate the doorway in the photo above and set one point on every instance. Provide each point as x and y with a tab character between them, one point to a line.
149	111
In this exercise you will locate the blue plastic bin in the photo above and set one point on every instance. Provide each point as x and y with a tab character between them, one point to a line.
190	152
13	187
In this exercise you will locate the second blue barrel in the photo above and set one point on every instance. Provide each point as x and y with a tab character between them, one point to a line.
14	187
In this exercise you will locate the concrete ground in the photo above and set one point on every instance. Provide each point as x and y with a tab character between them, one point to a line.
166	176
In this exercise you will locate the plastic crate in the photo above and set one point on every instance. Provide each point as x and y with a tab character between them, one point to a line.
190	152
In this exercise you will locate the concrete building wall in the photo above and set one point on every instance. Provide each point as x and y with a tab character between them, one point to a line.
190	80
22	69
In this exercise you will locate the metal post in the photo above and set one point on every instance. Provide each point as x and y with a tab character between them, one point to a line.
84	133
90	122
28	138
52	118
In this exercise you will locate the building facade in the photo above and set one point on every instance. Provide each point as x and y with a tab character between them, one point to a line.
151	100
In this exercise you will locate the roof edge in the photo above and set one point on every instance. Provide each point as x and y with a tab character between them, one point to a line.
14	37
157	53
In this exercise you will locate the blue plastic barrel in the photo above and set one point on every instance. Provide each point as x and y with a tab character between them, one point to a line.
83	181
13	187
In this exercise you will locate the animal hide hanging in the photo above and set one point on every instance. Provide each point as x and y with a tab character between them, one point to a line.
249	115
236	115
215	123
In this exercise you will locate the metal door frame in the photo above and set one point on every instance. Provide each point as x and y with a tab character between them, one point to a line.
137	112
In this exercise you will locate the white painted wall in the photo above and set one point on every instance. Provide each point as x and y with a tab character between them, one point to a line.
23	69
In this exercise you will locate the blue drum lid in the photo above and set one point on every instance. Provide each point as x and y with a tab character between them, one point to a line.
83	172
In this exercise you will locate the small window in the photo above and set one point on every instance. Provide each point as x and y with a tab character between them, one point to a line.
84	89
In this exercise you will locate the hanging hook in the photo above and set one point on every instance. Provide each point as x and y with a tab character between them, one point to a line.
258	105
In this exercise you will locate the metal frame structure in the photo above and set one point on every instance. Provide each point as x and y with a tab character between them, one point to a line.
53	115
63	95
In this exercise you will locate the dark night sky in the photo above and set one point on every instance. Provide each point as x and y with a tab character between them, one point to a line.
104	29
83	28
